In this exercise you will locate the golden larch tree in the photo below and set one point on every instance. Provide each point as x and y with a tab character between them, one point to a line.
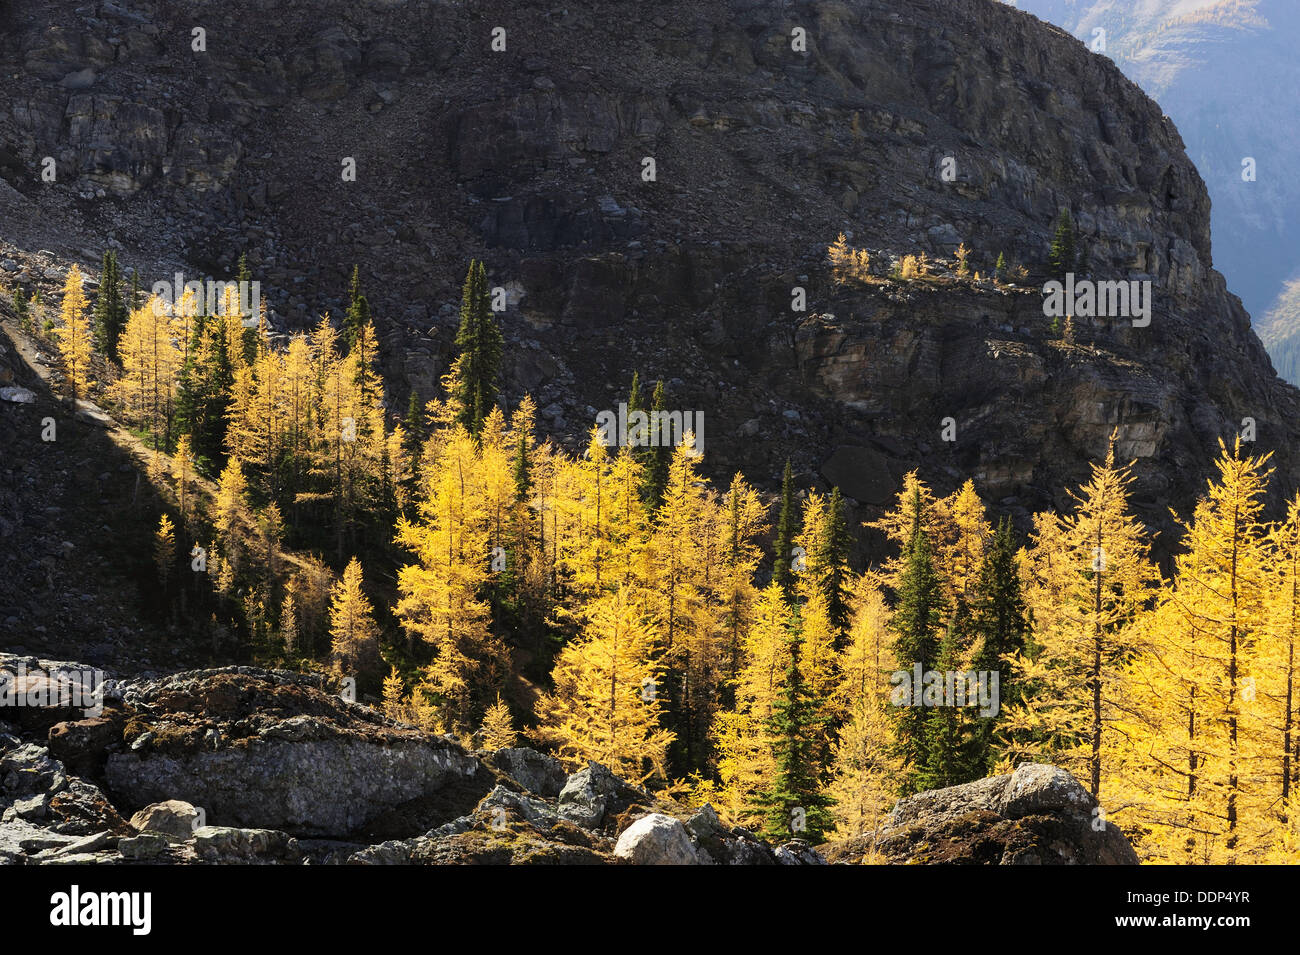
605	705
353	630
1089	577
74	334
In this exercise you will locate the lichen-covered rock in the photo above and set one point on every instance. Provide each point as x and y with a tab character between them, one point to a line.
145	846
797	852
719	844
29	769
594	797
1038	815
587	794
226	844
82	809
83	745
173	818
502	803
538	773
1037	788
285	755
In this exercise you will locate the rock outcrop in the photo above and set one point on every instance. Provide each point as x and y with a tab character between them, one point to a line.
1038	815
246	766
278	753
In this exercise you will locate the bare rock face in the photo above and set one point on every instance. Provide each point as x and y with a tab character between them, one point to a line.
764	154
269	750
1038	815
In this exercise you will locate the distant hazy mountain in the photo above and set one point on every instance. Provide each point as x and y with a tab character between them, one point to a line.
1226	71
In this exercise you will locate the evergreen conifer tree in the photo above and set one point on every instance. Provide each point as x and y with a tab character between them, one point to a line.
785	534
1000	624
110	310
955	751
1061	257
480	343
795	805
659	453
915	625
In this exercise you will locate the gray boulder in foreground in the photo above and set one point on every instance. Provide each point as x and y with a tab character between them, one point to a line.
267	750
1038	815
656	839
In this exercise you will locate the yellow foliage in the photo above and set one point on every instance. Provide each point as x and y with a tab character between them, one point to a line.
73	333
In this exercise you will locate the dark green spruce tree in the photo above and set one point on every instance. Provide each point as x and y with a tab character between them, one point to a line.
954	748
794	805
413	425
659	454
480	345
1061	256
828	565
358	314
634	400
787	526
110	309
204	394
639	440
1001	626
915	628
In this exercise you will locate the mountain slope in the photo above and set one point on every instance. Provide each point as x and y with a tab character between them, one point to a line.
532	158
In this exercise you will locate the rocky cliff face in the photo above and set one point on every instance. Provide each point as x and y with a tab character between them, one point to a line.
533	158
1206	62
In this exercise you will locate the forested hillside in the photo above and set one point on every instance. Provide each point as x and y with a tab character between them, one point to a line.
474	579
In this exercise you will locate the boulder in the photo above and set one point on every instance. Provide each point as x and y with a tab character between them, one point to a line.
1038	815
31	807
502	804
797	852
587	795
286	755
29	769
83	745
174	818
656	839
1038	788
224	844
145	846
82	809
